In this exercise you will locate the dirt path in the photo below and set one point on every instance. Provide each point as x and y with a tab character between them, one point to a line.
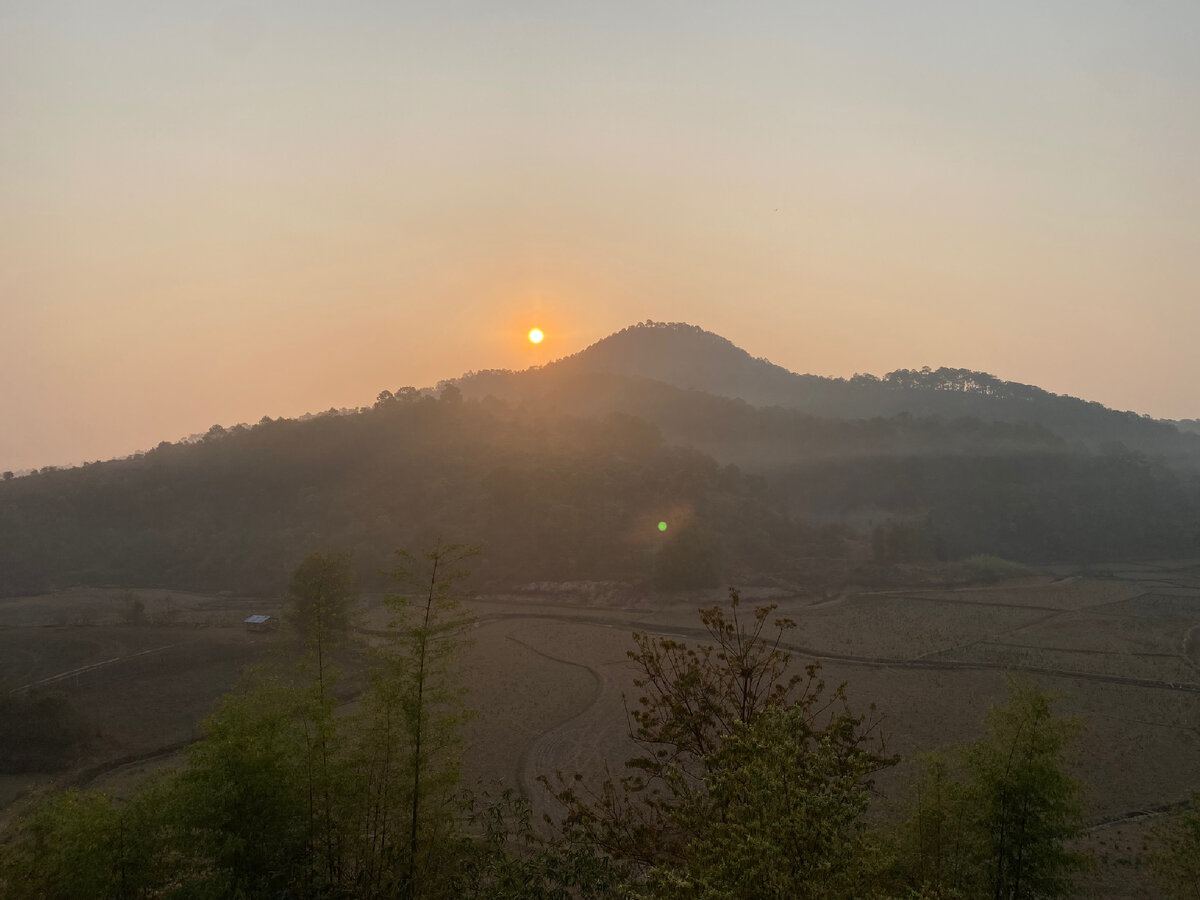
545	746
693	633
1135	814
83	670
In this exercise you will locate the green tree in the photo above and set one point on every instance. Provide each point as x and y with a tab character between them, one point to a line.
1176	852
779	817
934	848
994	820
230	825
723	726
243	796
319	595
83	844
506	859
1028	804
412	729
321	591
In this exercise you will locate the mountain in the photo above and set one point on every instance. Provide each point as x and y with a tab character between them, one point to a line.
689	358
565	472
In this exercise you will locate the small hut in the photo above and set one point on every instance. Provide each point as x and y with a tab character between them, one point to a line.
259	623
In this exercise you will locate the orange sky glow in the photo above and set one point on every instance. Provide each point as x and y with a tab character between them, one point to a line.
211	213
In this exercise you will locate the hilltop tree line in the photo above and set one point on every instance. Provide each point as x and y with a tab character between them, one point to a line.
734	429
689	357
752	778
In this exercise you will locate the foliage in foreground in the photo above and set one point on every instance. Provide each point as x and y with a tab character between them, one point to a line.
752	776
993	819
752	780
284	796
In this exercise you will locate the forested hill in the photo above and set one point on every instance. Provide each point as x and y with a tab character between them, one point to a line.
552	496
690	358
735	431
547	497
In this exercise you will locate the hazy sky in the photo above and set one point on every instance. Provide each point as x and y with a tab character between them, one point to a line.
214	211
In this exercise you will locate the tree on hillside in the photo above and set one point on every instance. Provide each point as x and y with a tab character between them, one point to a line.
779	817
743	758
84	844
506	858
933	852
994	820
412	733
1028	803
320	594
244	803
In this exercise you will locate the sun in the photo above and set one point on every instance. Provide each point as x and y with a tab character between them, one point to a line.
535	335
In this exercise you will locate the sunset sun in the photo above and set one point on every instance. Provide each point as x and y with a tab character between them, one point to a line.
535	335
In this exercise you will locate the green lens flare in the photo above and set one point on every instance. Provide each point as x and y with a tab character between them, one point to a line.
662	526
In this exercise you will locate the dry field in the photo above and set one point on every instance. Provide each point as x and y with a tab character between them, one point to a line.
1114	650
141	688
548	674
